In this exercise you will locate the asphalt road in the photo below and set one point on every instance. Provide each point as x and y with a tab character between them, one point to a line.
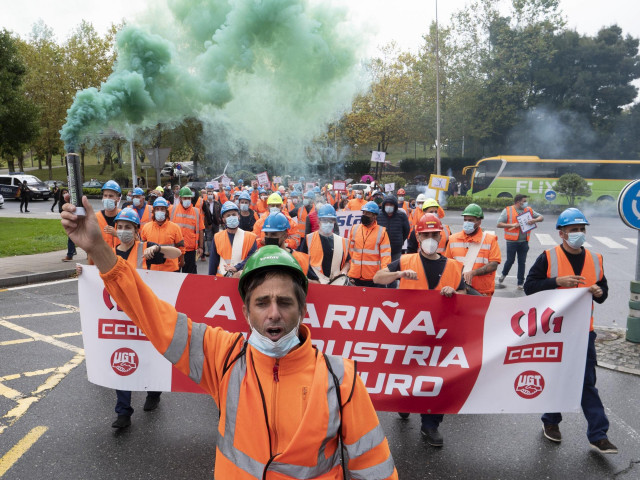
55	424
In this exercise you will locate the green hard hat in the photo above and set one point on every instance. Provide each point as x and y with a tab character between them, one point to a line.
473	210
185	192
271	257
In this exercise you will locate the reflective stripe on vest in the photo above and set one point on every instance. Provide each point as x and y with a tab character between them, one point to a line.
179	343
444	239
553	263
450	277
196	217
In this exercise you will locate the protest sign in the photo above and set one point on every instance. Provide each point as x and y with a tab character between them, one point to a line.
339	186
389	187
263	179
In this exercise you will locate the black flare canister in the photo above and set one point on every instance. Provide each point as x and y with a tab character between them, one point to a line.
74	177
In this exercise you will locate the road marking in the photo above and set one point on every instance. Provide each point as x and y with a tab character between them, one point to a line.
40	337
27	340
35	373
32	315
632	241
20	448
545	239
610	243
37	285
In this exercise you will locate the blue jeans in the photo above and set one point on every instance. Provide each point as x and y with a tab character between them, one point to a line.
123	405
513	248
597	422
71	248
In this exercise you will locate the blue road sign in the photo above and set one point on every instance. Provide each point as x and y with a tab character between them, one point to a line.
629	204
550	195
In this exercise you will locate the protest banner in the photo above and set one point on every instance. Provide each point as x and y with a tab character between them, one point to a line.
263	179
416	351
378	156
389	187
309	186
346	221
226	181
277	180
216	185
339	186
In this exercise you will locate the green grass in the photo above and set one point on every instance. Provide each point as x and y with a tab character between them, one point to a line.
27	236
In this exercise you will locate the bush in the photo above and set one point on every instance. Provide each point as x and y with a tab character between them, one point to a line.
572	185
357	168
399	181
489	204
121	176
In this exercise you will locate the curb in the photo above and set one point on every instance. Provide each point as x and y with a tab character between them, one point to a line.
36	278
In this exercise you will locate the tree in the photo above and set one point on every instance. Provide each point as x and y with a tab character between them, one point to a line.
18	115
572	185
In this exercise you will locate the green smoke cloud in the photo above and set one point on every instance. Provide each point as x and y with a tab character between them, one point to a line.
269	71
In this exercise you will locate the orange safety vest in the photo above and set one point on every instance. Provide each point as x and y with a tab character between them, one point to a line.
111	240
370	251
558	265
258	205
451	276
168	235
242	242
190	222
147	215
459	244
301	218
355	204
293	239
303	260
316	255
136	258
512	234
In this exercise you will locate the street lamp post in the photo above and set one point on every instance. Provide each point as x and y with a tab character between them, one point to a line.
438	167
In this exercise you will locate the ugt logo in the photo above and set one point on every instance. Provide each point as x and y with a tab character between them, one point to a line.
124	361
529	384
546	322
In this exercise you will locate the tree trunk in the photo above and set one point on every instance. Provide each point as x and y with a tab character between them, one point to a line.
21	161
49	166
11	165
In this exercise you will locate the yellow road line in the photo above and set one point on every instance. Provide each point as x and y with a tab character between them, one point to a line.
20	448
35	373
43	338
9	392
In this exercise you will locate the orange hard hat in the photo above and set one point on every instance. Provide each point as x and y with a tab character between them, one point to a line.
429	223
401	191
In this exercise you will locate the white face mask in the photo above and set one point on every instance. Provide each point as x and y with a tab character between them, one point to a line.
186	203
274	210
294	201
389	209
468	227
109	204
125	236
306	201
263	197
244	207
429	246
401	199
128	198
137	202
160	216
277	349
232	221
326	228
576	239
525	204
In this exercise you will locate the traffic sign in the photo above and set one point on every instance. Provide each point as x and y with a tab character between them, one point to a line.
550	195
629	204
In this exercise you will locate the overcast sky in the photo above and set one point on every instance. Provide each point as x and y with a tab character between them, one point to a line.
404	21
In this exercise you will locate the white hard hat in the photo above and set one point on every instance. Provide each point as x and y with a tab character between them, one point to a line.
421	198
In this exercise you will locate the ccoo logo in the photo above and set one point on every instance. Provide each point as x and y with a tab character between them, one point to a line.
529	384
124	361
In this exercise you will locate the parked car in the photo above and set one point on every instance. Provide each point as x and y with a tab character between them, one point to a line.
60	183
1	201
9	184
93	184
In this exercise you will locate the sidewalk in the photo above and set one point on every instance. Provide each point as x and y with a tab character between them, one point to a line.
614	352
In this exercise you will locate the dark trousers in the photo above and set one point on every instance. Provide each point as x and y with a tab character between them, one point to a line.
431	420
190	262
55	202
123	404
71	248
521	249
24	201
597	422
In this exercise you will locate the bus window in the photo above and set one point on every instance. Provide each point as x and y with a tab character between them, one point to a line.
485	174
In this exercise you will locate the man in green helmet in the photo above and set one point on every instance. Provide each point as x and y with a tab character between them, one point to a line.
285	409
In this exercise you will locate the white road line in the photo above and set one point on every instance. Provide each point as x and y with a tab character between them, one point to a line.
43	338
44	284
610	243
632	241
41	314
545	239
27	340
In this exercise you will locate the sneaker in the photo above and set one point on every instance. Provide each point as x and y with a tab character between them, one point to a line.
432	436
403	415
520	287
552	432
67	259
604	446
123	421
501	279
151	403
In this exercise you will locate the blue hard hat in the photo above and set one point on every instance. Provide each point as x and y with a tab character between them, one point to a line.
240	180
161	202
276	222
112	185
227	188
327	211
301	179
128	215
294	193
261	190
571	216
228	206
371	207
316	189
244	196
309	194
209	186
137	191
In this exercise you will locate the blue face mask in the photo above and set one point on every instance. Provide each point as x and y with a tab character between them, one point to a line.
277	349
576	239
468	227
232	221
244	207
108	203
525	204
326	227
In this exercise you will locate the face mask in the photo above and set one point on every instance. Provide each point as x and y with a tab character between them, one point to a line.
274	210
244	207
525	204
160	216
576	239
468	227
125	236
128	198
306	202
366	221
108	203
295	201
358	196
401	199
326	228
277	349
378	201
263	197
136	202
232	222
429	246
186	203
271	241
389	209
